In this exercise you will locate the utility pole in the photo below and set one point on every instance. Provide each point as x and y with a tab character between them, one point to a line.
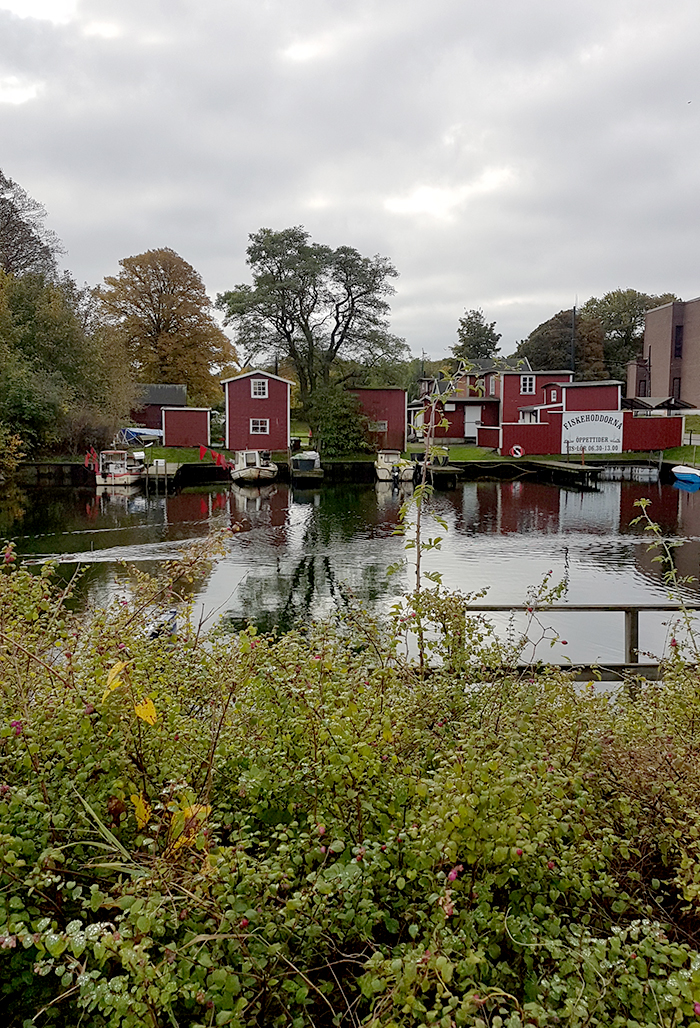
573	339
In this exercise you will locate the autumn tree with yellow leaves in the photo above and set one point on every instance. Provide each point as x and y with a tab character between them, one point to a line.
159	308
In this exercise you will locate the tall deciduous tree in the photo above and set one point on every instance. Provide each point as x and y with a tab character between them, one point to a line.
159	307
621	313
312	304
61	381
548	347
476	338
25	243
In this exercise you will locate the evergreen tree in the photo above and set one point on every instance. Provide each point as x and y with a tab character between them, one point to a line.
476	338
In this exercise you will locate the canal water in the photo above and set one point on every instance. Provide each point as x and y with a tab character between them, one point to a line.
295	553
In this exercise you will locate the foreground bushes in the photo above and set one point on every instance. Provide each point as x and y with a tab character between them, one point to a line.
306	831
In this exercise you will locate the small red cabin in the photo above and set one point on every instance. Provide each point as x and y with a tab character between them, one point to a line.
257	411
186	426
385	409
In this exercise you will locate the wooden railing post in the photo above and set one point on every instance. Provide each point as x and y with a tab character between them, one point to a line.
631	635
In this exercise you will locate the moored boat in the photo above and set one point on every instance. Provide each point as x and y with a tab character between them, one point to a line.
438	470
390	467
306	466
120	468
685	473
253	466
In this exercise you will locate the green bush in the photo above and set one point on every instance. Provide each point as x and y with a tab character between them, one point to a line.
306	830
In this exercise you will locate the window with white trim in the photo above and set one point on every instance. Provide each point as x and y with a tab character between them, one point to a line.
492	385
552	395
258	388
527	383
379	426
259	426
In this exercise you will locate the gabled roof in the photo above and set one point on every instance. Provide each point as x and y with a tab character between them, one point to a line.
250	374
163	394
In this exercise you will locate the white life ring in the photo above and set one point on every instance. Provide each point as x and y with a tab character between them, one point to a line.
516	451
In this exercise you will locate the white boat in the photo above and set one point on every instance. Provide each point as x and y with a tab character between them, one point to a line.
120	468
306	466
390	467
684	473
253	466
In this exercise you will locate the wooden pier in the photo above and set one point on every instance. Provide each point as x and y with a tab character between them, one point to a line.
607	671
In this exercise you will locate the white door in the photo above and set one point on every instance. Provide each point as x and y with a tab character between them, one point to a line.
472	414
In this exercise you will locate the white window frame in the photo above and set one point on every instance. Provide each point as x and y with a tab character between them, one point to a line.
492	385
256	426
263	394
527	385
379	426
552	395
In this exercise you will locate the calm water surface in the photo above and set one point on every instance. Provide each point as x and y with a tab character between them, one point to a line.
296	552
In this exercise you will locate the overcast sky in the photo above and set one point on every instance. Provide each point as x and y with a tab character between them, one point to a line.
513	155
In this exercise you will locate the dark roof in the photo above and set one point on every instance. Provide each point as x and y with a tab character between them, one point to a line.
163	395
578	385
656	403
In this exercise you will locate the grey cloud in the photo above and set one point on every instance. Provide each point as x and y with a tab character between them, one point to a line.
200	123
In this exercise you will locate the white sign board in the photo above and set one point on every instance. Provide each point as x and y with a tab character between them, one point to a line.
593	431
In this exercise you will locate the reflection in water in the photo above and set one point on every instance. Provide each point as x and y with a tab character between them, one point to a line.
295	553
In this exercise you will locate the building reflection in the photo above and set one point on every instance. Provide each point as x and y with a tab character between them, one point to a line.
297	553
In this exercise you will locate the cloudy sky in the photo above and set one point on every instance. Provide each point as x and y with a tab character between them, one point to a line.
513	155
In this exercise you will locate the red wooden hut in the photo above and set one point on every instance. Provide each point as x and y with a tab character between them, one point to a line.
186	426
257	411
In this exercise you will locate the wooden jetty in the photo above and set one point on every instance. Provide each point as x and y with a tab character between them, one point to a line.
607	671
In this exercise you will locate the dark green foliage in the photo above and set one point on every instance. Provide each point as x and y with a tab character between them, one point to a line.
476	338
338	425
306	830
317	307
621	313
548	347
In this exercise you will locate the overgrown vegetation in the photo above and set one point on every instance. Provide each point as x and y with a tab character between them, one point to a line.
313	830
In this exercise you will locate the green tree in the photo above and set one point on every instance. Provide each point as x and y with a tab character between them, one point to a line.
159	309
621	313
476	338
548	347
316	306
25	243
62	382
338	425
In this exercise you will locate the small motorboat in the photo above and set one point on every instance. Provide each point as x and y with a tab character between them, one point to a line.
684	473
305	466
438	470
253	466
390	467
120	468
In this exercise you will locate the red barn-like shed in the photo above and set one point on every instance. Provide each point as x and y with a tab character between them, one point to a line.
186	426
385	408
257	411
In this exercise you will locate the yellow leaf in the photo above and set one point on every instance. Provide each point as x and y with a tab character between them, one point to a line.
146	711
113	679
142	809
187	824
115	670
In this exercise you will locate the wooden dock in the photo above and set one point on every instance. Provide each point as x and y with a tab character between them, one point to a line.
566	472
609	671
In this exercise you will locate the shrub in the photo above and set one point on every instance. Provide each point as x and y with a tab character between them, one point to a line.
306	830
